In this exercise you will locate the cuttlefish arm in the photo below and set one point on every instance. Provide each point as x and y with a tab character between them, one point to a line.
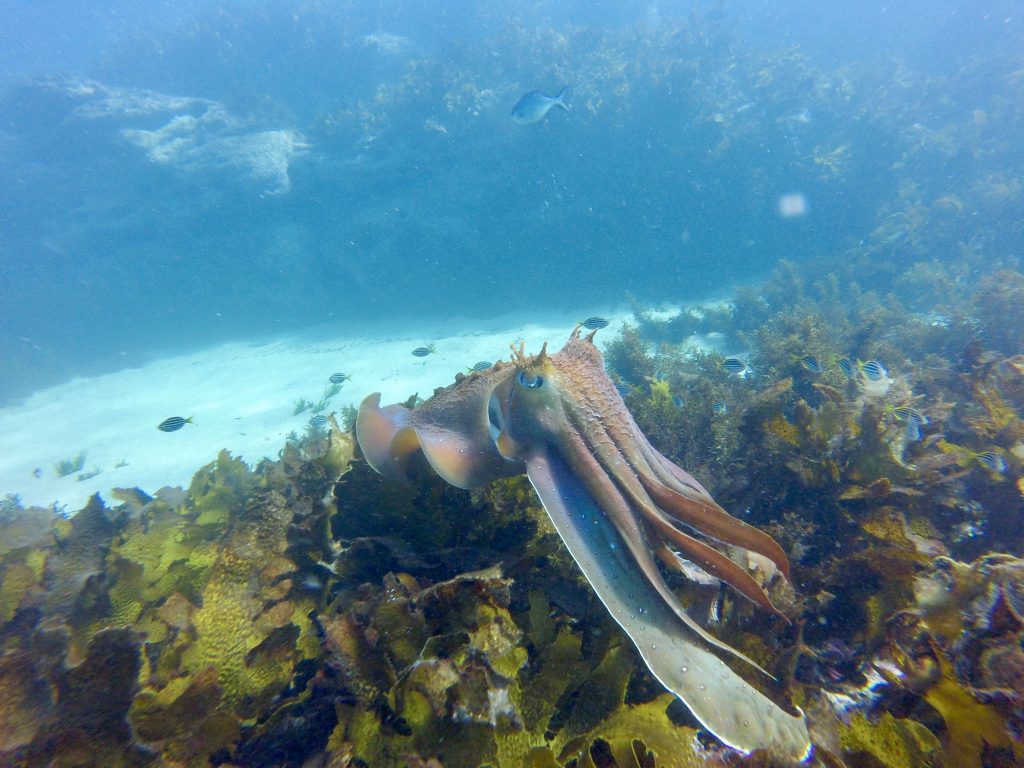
615	501
734	711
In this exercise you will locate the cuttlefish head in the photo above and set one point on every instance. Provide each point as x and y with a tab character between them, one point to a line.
619	507
529	404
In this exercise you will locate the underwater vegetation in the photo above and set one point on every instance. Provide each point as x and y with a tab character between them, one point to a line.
309	612
66	467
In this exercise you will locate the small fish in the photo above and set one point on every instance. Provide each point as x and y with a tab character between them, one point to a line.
992	461
623	389
720	408
733	365
483	365
810	363
906	413
845	366
319	421
423	351
339	378
37	472
872	370
535	105
677	401
913	430
173	424
594	323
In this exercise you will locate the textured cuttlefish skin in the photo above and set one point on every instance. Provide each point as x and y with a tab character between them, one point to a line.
617	504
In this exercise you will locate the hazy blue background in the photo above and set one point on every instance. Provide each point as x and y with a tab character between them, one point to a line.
189	172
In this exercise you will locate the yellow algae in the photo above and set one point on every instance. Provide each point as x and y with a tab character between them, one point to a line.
25	700
16	579
226	633
888	526
633	731
971	727
892	742
783	430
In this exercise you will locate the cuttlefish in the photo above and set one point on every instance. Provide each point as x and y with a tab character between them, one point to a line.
619	507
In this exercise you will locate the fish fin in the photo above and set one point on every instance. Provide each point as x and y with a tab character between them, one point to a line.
564	94
384	437
729	707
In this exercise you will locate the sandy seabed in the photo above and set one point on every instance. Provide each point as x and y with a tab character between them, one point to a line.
241	396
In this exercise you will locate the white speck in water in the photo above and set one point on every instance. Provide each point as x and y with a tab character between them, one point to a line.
685	669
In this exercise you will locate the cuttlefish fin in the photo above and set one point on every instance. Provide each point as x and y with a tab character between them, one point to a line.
385	437
734	711
462	454
455	456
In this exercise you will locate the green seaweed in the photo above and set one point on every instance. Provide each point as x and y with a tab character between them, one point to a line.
66	467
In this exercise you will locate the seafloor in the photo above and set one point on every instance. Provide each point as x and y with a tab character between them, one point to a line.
308	612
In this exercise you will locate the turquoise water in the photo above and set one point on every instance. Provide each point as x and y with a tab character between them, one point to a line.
182	177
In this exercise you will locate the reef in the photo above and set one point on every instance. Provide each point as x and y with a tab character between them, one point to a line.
309	612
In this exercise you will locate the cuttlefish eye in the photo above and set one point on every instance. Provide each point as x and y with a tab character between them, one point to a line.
529	380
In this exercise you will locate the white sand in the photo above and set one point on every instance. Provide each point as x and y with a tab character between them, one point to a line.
241	396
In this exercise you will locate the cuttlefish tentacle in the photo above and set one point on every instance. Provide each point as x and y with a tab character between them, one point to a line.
715	523
717	564
616	503
625	473
600	487
690	503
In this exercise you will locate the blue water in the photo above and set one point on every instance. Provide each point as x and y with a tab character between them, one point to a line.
186	173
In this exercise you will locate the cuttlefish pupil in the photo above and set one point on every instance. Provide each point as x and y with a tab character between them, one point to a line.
619	506
529	380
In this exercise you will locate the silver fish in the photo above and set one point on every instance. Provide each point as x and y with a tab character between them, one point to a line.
535	105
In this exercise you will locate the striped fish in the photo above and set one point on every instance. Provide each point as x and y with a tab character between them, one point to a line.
906	413
173	424
339	378
594	323
733	365
992	461
872	370
811	363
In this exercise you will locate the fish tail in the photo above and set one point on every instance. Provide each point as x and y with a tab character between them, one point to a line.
563	94
188	420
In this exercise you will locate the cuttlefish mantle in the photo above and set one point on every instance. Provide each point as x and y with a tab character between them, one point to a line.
618	505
